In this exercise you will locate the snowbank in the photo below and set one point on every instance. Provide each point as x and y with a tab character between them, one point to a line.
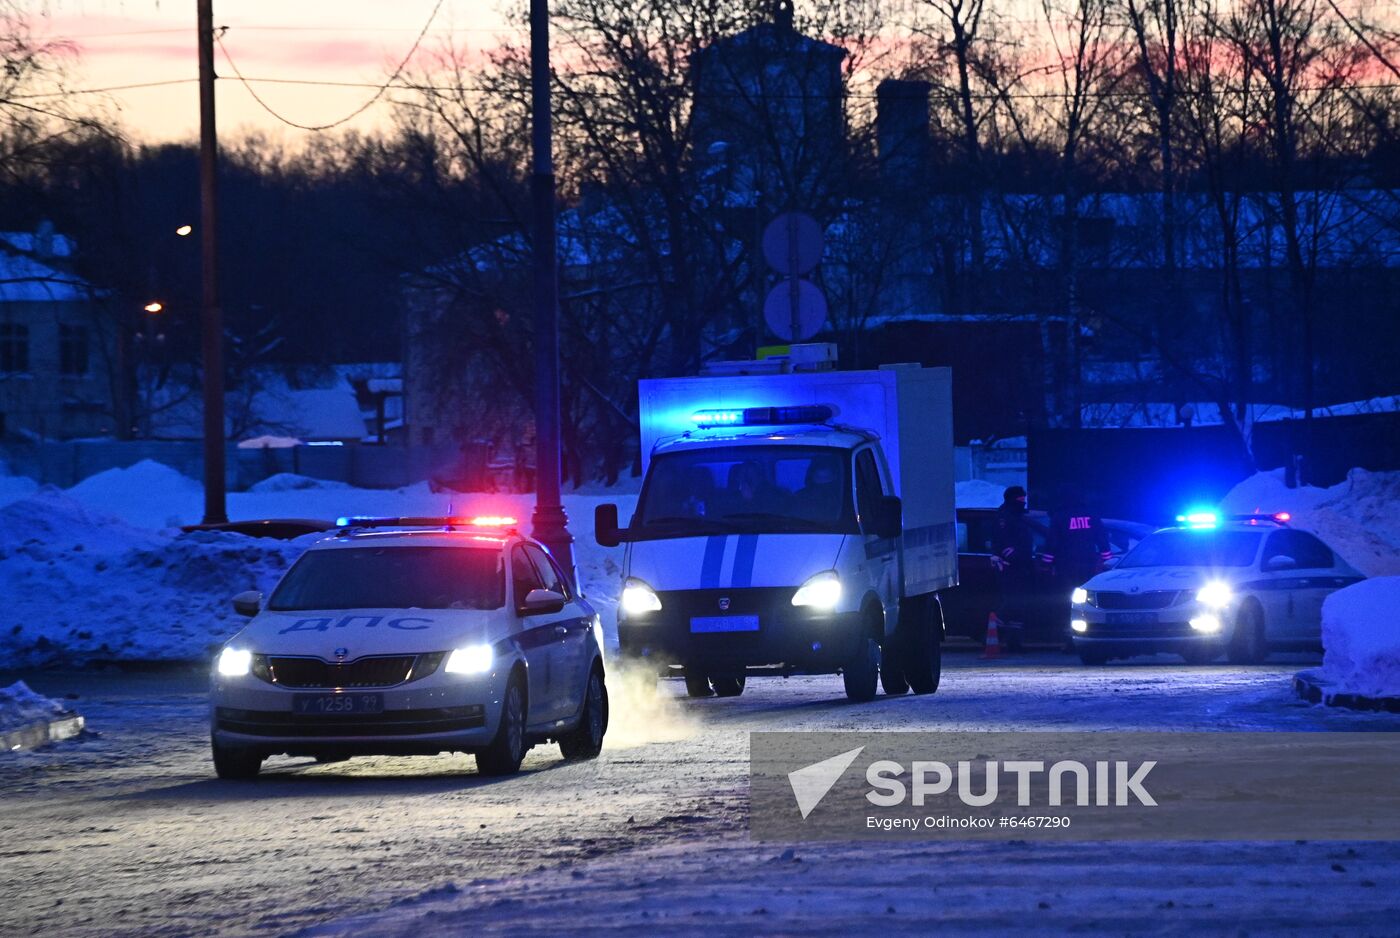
1358	518
19	706
1361	638
291	482
979	493
80	585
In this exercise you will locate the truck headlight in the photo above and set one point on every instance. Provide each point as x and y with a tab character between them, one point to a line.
1215	594
235	662
1080	596
821	592
638	598
472	659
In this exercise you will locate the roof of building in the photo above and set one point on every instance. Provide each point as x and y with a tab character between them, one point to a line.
25	275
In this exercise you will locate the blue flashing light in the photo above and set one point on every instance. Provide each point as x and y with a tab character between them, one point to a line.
762	416
717	418
1199	519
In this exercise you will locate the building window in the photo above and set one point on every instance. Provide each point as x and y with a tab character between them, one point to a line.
14	347
72	350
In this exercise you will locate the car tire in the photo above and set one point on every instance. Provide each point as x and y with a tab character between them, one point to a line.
921	646
892	679
697	685
503	755
1200	655
585	741
234	763
1092	658
728	686
861	675
1247	644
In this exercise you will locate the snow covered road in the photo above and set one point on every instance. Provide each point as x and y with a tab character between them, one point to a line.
127	832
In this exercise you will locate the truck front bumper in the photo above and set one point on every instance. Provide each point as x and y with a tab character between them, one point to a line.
727	631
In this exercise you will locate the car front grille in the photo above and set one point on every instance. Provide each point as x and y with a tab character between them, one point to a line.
1152	599
286	725
378	671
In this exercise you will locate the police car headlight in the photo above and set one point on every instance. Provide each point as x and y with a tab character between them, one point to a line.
1080	596
473	659
638	598
235	662
821	592
1216	595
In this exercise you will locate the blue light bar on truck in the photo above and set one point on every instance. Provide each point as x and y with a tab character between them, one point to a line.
762	416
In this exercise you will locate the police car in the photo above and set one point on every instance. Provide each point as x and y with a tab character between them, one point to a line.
402	636
1238	586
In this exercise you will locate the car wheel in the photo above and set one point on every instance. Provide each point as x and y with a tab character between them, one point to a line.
1247	644
1200	655
586	740
1092	658
921	646
235	762
728	686
892	678
503	755
862	673
697	685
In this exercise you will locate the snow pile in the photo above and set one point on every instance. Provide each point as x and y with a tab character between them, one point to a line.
1361	638
80	585
20	706
978	493
1358	518
140	480
291	482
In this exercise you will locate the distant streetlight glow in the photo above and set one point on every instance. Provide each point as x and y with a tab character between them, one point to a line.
153	307
184	230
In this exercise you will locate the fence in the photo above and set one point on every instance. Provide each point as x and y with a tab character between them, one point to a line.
66	464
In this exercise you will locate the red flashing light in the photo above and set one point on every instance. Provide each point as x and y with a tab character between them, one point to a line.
493	521
1282	516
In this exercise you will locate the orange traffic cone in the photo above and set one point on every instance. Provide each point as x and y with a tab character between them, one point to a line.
993	649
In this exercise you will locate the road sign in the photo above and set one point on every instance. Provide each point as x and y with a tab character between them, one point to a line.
792	243
795	310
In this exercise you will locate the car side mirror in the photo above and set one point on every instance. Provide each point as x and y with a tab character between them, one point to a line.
247	603
605	530
889	517
1280	562
538	602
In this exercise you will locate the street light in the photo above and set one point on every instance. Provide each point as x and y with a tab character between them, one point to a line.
184	230
153	307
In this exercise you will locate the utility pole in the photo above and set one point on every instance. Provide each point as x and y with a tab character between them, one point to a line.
550	522
211	317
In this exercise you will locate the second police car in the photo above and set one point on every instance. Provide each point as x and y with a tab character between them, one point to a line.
1237	586
400	636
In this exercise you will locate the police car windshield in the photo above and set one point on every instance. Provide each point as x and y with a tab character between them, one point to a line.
1205	548
746	489
393	578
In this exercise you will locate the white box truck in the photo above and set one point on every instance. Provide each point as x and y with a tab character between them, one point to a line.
798	522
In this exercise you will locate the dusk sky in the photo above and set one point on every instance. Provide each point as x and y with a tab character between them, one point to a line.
124	42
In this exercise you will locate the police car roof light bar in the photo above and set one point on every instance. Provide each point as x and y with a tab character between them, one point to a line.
1280	518
498	522
1199	519
762	416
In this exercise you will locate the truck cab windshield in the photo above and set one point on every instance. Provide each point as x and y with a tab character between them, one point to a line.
746	490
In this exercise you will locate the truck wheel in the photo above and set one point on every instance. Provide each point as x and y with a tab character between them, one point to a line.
922	646
862	672
697	685
728	686
235	763
892	677
1247	644
503	755
585	741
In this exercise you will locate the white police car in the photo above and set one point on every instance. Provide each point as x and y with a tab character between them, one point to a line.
401	636
1240	586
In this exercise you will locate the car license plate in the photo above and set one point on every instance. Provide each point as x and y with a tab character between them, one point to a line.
724	624
334	704
1132	618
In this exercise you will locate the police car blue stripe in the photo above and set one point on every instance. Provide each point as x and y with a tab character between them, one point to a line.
742	576
713	560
